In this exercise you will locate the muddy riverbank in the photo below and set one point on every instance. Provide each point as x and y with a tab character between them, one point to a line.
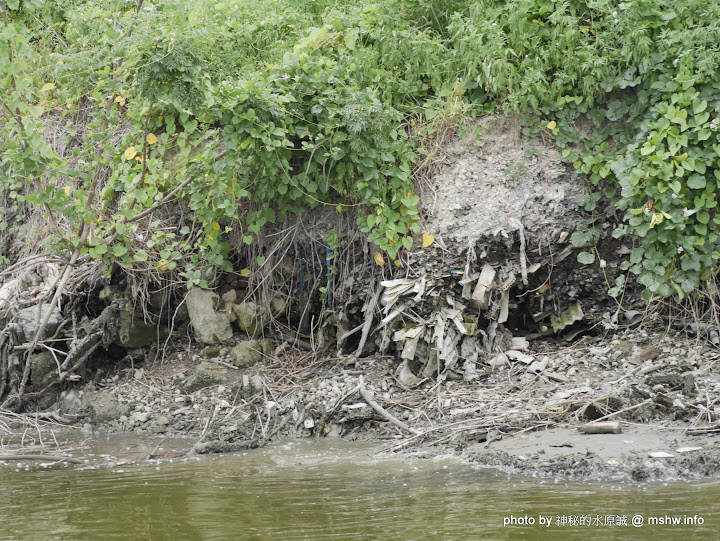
521	418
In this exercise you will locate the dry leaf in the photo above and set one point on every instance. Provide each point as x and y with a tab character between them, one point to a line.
377	256
151	139
428	239
130	153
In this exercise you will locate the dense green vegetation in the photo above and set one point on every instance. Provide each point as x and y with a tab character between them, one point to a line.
248	111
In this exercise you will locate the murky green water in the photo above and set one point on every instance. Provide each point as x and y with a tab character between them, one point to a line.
329	490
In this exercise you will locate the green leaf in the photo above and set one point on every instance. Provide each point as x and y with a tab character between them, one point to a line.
140	255
586	258
190	126
411	201
699	105
119	250
260	260
98	251
696	182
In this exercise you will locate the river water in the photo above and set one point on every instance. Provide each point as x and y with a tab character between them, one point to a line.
322	490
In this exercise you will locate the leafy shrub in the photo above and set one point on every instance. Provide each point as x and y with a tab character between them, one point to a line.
250	111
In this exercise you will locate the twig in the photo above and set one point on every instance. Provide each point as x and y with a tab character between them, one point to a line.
223	363
383	412
629	408
156	449
56	458
296	342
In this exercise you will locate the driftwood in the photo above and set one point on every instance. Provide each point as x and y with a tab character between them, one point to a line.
369	313
55	458
608	427
383	412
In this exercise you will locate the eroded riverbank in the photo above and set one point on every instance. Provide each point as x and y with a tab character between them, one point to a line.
521	418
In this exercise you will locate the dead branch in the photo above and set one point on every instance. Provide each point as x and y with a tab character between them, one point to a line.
55	458
383	412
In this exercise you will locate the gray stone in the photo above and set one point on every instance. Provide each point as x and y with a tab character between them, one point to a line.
229	296
251	317
267	346
210	352
72	401
206	374
42	364
139	418
246	353
104	407
209	325
139	334
28	321
278	305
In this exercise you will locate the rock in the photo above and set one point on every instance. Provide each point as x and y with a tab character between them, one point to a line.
278	305
210	352
72	401
538	366
138	335
250	317
139	417
247	353
28	321
267	346
42	364
109	293
104	407
210	326
649	354
205	375
229	297
544	195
